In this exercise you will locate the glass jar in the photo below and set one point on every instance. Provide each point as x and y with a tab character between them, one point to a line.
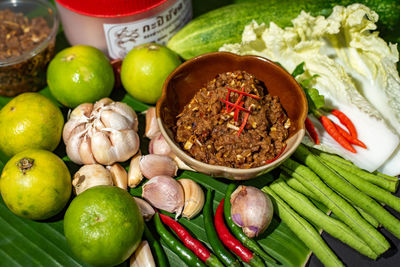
115	27
27	44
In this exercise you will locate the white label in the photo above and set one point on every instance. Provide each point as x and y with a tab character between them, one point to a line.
121	38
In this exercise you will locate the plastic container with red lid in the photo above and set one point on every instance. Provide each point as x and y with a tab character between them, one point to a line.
115	27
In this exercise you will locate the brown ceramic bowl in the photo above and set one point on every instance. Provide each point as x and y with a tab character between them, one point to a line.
182	84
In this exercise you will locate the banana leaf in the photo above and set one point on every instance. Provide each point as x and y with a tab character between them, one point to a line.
31	243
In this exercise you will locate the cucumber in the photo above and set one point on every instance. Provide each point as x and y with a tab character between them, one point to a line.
211	30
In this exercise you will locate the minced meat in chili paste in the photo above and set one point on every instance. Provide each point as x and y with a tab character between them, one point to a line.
233	122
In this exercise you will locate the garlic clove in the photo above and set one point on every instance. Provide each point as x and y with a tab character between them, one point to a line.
142	256
194	198
154	165
70	126
89	176
159	146
146	209
118	175
85	151
73	144
135	175
102	149
101	103
126	111
251	209
181	165
152	129
114	120
165	193
83	110
125	143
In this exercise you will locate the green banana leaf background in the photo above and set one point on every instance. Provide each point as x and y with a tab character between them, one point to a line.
30	243
42	243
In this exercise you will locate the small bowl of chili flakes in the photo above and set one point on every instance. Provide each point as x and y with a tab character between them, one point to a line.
28	31
232	116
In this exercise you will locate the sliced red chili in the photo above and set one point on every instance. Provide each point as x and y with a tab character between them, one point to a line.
244	93
234	105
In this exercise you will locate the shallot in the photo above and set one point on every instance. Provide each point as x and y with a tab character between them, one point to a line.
251	209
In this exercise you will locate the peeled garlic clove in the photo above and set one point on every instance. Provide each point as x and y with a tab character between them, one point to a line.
114	120
146	209
135	175
102	149
165	193
91	175
125	143
159	146
85	151
152	129
194	198
142	256
119	175
154	165
126	111
251	209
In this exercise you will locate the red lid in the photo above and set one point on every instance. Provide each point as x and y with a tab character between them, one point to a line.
110	8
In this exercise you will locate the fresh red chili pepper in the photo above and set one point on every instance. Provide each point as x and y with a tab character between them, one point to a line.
243	93
351	139
311	130
227	238
234	105
246	117
191	243
332	131
277	156
345	121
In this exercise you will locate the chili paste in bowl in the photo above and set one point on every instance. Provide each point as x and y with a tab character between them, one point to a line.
231	116
233	121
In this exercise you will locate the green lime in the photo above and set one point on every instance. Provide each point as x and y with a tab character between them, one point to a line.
35	184
80	74
103	225
145	69
30	120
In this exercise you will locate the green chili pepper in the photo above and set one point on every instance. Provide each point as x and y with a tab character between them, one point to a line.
238	232
183	252
158	252
224	255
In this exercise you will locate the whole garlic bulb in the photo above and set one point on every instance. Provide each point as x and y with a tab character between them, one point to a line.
104	132
251	209
89	176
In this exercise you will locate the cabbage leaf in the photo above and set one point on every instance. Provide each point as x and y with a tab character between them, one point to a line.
355	71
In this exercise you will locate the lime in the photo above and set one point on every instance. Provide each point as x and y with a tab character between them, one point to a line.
145	69
103	225
35	184
30	120
80	74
